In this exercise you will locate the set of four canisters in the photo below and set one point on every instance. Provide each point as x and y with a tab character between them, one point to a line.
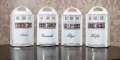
22	27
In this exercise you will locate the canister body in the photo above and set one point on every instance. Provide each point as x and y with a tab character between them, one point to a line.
72	28
97	28
21	28
47	27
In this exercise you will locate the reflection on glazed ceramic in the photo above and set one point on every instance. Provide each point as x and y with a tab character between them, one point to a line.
96	53
22	53
47	53
71	53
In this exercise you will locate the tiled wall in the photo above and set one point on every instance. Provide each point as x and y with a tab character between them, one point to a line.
113	6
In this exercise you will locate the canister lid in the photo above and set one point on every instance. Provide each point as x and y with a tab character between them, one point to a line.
47	10
98	10
72	11
21	10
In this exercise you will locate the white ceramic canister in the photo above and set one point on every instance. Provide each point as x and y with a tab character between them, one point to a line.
21	27
97	27
47	27
72	27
